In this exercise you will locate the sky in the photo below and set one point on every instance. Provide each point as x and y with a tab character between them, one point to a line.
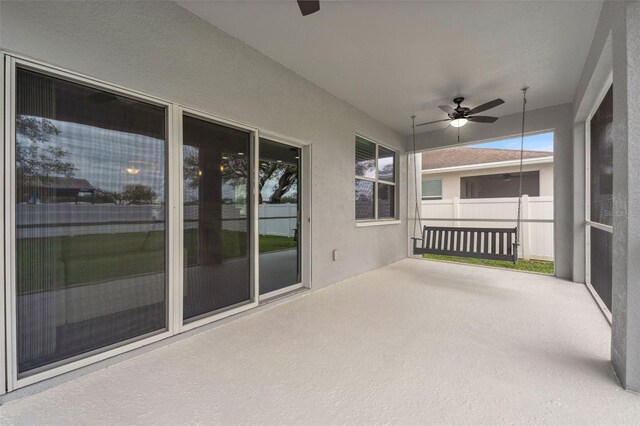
537	142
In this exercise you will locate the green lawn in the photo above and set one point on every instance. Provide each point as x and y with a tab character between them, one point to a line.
57	262
540	266
275	243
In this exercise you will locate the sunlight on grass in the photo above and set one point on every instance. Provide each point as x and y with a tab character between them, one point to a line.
540	266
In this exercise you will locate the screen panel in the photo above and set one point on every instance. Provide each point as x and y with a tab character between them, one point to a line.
90	220
602	161
217	217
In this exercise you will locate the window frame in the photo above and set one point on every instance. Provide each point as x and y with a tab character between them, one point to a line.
376	181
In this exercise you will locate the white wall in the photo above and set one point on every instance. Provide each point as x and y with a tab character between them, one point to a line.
163	50
451	180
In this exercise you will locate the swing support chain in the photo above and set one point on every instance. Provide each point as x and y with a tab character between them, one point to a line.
516	244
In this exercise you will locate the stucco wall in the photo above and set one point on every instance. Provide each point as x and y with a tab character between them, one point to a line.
451	180
163	50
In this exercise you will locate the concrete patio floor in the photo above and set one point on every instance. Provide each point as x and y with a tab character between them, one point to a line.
413	342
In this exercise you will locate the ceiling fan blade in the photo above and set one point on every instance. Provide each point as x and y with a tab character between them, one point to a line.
307	7
482	119
447	109
431	122
491	104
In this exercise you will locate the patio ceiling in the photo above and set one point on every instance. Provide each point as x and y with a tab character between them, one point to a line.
391	59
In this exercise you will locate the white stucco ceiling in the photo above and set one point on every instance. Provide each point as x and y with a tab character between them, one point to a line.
394	58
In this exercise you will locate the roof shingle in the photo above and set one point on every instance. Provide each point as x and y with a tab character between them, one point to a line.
464	156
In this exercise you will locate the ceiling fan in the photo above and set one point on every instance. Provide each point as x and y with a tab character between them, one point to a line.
459	116
307	7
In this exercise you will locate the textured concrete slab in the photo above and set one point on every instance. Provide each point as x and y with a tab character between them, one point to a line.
413	342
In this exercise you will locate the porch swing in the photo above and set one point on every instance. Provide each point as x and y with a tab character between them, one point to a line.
479	243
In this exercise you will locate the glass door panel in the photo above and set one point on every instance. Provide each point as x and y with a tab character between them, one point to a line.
90	220
279	214
217	259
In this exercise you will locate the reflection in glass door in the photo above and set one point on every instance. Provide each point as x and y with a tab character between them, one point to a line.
279	214
217	263
89	220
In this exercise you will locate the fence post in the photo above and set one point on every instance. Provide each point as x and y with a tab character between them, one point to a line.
456	211
526	229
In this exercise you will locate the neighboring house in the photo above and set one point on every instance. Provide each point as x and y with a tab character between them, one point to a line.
61	187
464	183
466	173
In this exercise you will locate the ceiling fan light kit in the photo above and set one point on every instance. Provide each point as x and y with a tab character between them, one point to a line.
459	116
459	122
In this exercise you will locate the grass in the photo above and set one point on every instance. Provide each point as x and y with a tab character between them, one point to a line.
540	266
276	243
56	262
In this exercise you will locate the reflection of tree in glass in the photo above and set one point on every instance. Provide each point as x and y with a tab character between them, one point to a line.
191	168
235	171
386	172
288	178
134	194
38	160
365	167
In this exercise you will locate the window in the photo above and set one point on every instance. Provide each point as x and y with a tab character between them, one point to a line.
500	185
90	222
431	189
375	181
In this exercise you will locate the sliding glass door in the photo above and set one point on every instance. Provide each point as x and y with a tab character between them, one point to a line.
279	216
217	218
90	229
129	219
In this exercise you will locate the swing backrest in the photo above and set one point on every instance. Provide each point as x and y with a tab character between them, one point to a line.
481	243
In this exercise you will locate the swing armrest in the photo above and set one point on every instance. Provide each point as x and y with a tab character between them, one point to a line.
415	242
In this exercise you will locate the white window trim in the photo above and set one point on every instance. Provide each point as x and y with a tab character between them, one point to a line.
376	220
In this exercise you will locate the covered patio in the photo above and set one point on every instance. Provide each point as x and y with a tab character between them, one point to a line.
246	255
412	342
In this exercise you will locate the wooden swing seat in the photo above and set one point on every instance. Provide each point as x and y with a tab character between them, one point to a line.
479	243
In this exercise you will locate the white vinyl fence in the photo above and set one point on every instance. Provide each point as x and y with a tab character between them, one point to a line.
278	219
536	232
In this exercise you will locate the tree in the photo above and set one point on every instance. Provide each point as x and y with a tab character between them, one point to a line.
287	180
36	159
191	169
138	194
39	160
236	172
